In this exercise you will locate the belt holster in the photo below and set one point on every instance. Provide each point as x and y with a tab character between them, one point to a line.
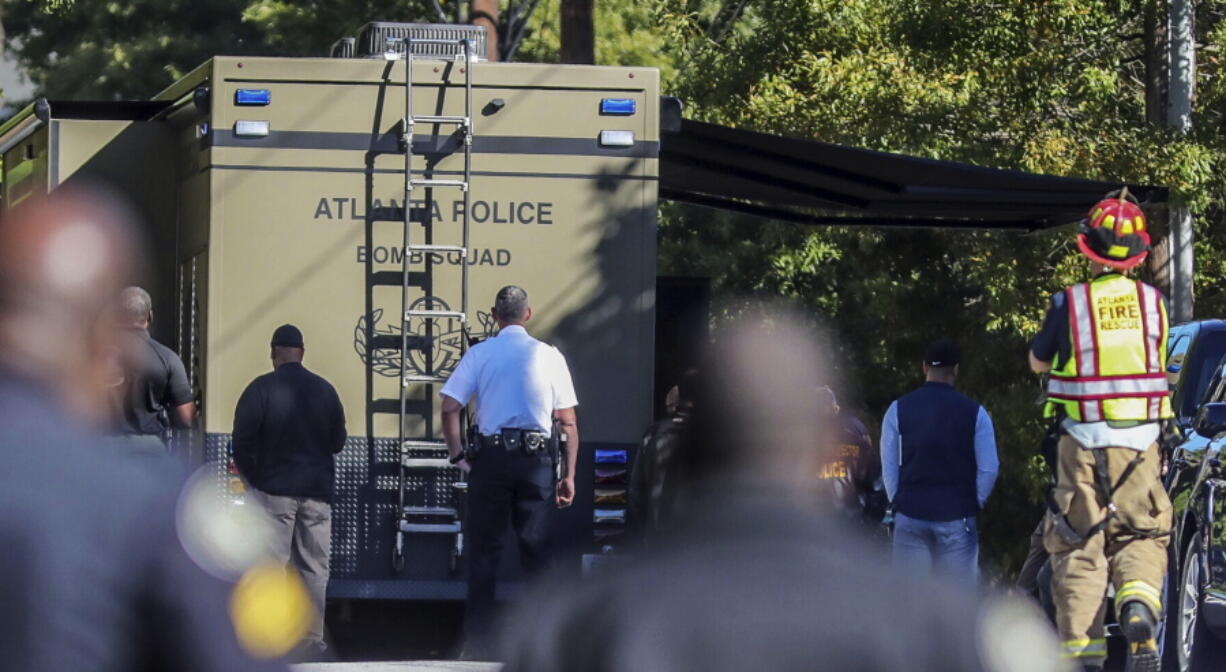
556	439
512	439
472	444
524	441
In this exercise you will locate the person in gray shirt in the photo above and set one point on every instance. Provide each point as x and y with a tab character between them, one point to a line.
153	394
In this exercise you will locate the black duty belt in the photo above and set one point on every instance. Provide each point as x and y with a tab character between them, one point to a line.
525	440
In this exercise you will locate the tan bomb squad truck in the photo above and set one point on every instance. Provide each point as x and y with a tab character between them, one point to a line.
273	191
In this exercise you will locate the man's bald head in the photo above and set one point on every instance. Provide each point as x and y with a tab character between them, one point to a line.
135	308
63	260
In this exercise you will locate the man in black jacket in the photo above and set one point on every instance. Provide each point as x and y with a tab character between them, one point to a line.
287	427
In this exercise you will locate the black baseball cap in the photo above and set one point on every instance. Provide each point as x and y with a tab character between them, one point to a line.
287	336
941	353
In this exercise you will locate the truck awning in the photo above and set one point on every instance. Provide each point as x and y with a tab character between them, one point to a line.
812	182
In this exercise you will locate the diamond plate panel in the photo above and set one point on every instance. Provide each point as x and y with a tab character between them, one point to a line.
216	459
364	509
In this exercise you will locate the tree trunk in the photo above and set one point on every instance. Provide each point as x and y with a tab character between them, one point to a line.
578	32
1179	117
1156	74
1156	56
485	13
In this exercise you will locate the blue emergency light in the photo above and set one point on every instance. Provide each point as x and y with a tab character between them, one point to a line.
252	97
618	106
611	457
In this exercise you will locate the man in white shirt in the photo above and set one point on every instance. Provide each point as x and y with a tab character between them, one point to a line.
520	386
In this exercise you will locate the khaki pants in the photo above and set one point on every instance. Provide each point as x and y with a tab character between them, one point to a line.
1080	572
302	538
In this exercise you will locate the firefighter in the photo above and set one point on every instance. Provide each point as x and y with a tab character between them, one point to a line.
1104	344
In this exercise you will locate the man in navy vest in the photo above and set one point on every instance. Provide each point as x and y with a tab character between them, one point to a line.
938	457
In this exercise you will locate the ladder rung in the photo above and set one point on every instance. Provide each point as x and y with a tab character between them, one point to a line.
439	248
431	511
436	314
414	444
427	463
396	278
388	213
430	528
394	342
436	119
422	407
417	378
439	183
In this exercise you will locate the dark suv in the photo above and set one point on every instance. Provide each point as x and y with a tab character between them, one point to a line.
1196	482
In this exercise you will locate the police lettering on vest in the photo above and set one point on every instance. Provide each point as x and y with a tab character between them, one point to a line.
1117	367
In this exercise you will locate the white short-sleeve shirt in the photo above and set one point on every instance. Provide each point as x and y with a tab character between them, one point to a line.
517	380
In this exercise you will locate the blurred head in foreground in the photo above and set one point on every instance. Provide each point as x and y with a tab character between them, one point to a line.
753	422
63	260
749	576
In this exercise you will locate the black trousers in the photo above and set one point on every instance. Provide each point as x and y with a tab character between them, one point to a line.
504	484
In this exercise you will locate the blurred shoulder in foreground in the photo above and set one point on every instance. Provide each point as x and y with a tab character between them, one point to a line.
747	576
95	573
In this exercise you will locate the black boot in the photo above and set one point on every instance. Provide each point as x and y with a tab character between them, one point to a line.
1139	626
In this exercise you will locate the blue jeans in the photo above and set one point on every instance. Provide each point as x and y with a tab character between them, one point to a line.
949	547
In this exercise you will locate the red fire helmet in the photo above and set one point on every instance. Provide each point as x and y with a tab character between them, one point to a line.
1114	232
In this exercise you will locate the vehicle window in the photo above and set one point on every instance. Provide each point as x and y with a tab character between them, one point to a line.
1178	346
1216	387
1200	364
1176	350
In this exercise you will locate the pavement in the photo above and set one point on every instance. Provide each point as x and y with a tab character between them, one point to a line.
404	666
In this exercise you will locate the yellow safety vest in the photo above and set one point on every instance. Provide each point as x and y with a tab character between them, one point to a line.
1117	370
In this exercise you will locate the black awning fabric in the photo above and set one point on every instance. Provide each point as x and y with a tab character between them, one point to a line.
822	183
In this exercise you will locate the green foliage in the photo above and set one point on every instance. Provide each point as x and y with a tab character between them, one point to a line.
121	49
134	48
309	27
1052	87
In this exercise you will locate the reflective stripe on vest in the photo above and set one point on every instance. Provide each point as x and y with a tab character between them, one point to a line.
1155	347
1118	333
1108	387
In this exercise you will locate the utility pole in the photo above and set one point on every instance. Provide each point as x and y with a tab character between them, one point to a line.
485	13
1179	116
1157	79
578	31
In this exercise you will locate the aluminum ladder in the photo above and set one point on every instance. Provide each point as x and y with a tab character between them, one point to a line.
425	455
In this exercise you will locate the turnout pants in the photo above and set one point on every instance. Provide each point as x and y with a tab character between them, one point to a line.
503	484
302	538
1134	565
